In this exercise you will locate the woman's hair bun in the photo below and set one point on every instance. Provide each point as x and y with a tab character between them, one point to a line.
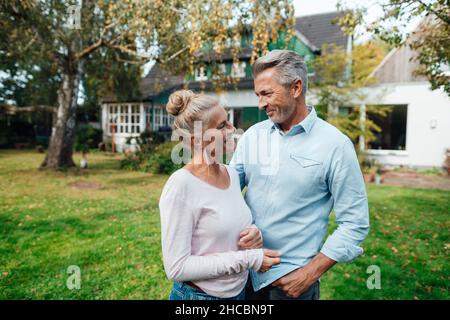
179	101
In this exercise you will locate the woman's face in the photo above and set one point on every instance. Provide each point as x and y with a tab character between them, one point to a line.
220	128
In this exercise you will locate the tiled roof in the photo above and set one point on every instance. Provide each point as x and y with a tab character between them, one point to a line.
158	80
322	29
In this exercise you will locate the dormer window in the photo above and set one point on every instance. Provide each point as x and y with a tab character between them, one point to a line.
201	74
221	71
233	42
238	70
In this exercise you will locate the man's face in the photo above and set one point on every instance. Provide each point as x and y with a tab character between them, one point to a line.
274	98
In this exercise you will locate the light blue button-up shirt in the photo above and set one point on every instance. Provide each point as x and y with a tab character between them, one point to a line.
293	182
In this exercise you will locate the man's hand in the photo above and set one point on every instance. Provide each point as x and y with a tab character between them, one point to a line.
298	281
250	238
295	283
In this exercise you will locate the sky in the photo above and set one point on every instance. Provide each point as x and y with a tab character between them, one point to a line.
307	7
374	12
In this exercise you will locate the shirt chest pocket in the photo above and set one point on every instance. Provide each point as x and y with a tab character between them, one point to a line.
306	167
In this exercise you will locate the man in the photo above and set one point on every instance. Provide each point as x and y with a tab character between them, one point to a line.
313	169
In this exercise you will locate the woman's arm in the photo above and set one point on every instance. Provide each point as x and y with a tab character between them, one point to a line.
177	224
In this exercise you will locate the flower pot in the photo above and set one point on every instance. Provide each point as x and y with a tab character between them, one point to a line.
368	177
378	179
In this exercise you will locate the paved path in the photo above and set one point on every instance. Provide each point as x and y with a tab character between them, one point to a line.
417	180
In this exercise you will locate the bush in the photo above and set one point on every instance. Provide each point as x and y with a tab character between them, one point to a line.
87	137
153	154
132	161
149	140
161	161
367	165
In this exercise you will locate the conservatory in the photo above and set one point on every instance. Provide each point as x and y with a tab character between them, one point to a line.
127	120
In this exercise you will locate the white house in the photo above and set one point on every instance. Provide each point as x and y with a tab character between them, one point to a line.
417	131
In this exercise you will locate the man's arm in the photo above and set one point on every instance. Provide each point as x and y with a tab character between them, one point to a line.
347	187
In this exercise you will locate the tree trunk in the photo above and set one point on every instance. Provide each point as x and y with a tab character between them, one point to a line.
60	150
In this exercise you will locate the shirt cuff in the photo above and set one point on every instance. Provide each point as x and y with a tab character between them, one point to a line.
339	250
255	258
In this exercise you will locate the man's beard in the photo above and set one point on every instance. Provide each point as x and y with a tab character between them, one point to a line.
283	113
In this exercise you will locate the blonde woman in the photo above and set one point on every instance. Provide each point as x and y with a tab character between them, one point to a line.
203	213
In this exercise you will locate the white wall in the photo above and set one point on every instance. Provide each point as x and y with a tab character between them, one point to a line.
425	146
247	98
237	99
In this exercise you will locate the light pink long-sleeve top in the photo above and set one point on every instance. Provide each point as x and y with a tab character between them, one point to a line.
200	226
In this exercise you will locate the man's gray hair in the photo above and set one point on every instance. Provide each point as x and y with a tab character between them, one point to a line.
290	67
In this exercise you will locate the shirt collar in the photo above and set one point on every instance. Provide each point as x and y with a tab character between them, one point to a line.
303	126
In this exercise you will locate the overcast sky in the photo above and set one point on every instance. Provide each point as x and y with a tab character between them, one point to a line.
374	11
307	7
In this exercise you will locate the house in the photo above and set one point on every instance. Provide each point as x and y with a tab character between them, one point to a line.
130	119
416	133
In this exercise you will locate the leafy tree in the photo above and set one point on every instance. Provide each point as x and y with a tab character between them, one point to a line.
337	83
170	32
430	40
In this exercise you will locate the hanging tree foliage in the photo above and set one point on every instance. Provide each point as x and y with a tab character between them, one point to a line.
430	40
171	32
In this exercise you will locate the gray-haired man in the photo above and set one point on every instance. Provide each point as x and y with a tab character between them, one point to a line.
316	171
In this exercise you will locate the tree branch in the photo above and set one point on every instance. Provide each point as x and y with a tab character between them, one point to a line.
80	55
176	54
125	50
445	19
10	109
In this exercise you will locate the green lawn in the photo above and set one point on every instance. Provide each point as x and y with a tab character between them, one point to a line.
112	234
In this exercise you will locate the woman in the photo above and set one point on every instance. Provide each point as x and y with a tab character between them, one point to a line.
203	211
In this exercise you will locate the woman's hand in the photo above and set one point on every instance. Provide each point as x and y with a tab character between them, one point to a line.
271	258
250	238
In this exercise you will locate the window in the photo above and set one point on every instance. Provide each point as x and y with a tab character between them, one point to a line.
221	71
126	117
165	118
112	117
158	118
162	118
238	70
235	42
135	123
148	117
201	74
393	129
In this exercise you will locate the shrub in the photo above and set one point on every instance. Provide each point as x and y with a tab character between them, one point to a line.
160	161
87	137
132	161
153	154
149	140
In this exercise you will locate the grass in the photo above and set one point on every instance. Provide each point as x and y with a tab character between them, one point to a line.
112	234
